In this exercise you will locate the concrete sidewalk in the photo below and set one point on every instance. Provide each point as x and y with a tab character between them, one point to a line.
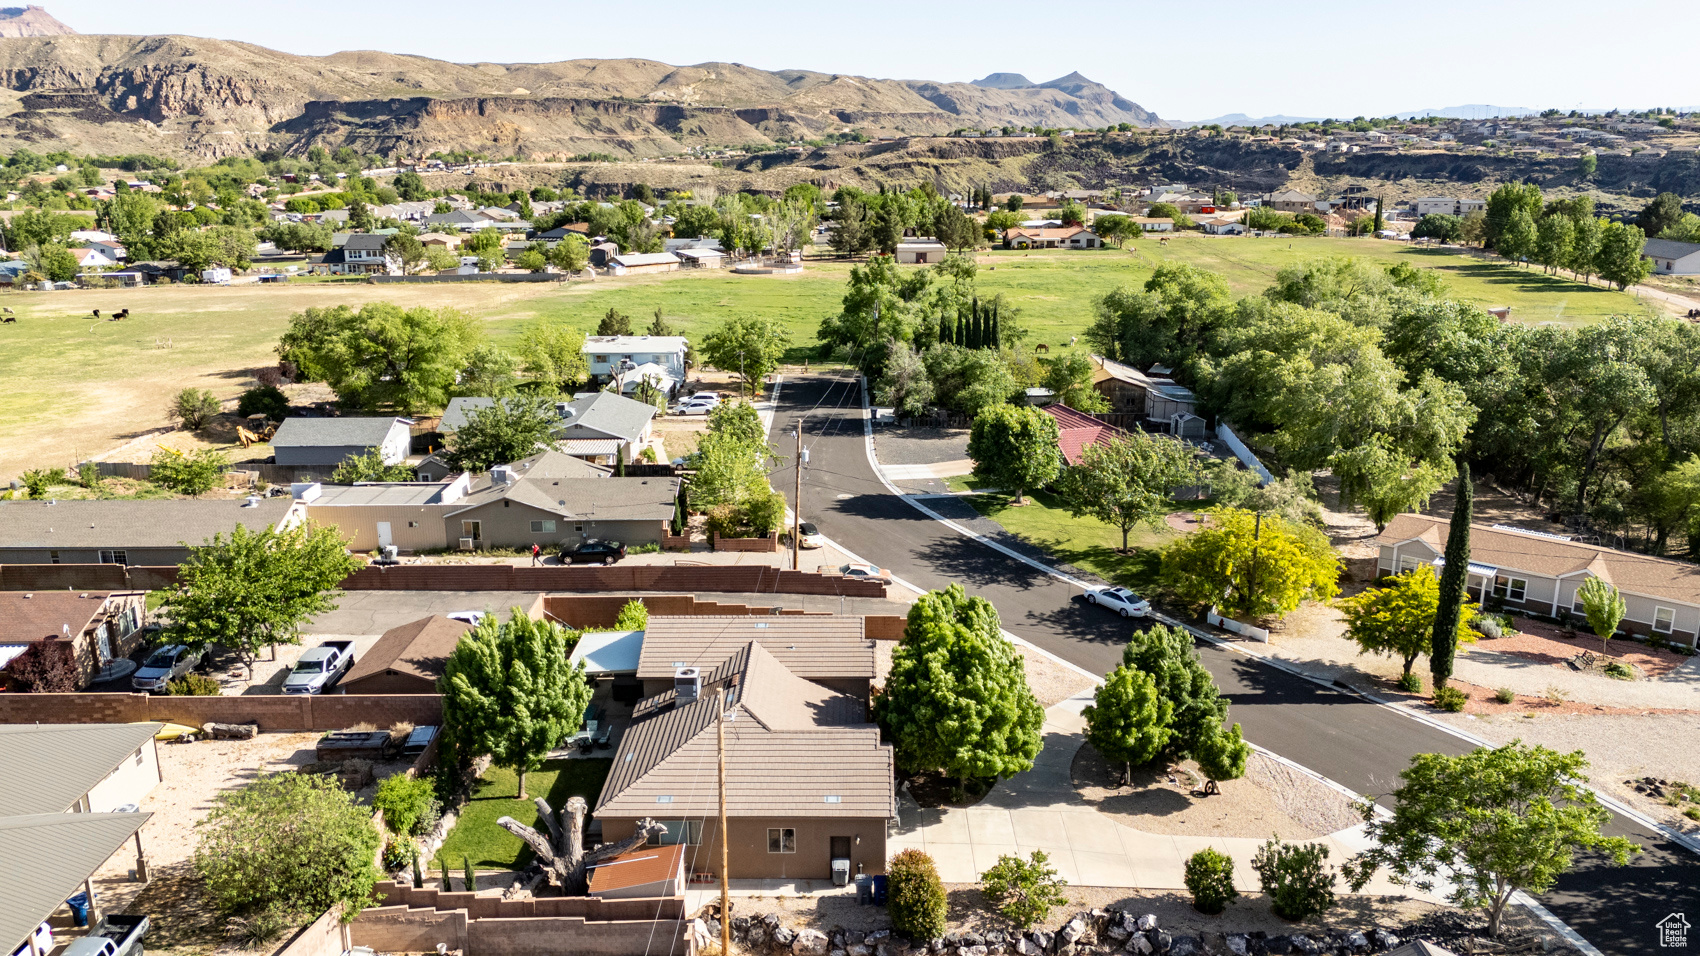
1039	810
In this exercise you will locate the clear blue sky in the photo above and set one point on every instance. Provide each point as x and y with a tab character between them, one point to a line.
1181	60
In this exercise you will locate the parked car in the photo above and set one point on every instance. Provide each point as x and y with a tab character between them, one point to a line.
113	936
695	407
809	536
1120	600
864	572
320	668
594	551
164	666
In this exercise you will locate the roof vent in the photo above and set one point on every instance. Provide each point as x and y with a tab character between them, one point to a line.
687	685
664	798
833	798
252	501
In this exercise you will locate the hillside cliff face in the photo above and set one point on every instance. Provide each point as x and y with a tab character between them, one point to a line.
30	21
213	97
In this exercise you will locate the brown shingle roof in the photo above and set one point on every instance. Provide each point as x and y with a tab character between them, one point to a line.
637	868
38	615
815	647
1552	557
417	648
794	749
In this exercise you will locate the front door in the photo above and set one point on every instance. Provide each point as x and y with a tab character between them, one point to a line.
841	848
383	534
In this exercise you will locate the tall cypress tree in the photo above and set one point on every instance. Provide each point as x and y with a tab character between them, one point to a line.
959	330
979	327
945	328
1453	580
974	324
997	329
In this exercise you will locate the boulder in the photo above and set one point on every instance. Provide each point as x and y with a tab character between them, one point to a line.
809	942
1072	931
1238	945
1357	942
1041	939
1026	947
231	731
891	947
1278	945
1185	946
1147	922
1382	939
1140	946
1304	944
740	925
974	951
972	939
772	921
1116	931
785	936
1160	939
758	936
876	936
857	949
936	946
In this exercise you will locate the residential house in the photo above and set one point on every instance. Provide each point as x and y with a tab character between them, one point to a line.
1447	206
87	628
920	250
77	768
1076	431
550	499
808	780
326	442
148	533
159	270
361	254
1672	258
1062	237
1540	573
599	427
630	262
1222	226
408	659
1291	200
579	229
90	259
1164	405
440	240
602	252
610	355
1154	223
12	271
678	245
457	220
831	650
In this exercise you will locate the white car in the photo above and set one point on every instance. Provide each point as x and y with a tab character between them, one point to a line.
809	536
864	572
694	408
1121	600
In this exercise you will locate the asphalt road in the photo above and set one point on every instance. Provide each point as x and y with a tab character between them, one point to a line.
1357	743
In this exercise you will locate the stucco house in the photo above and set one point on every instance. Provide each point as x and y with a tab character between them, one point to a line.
833	651
920	250
1672	258
1539	573
87	628
326	442
1061	237
1291	200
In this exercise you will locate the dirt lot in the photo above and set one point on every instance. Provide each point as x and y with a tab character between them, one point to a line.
194	775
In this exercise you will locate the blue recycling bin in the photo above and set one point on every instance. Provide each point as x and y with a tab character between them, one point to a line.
879	889
79	905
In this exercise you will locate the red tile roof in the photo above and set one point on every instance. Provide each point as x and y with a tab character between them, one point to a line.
1078	430
640	867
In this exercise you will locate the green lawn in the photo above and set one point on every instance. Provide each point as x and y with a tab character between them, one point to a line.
476	834
1085	543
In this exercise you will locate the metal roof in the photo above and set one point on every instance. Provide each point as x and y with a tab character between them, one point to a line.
116	523
46	857
1670	248
609	652
646	259
62	762
367	432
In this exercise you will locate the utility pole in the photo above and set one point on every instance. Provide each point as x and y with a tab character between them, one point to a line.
725	891
797	504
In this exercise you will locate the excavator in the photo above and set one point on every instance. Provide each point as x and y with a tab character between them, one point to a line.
263	433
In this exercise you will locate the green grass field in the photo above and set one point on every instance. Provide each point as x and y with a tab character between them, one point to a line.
476	835
1085	543
74	388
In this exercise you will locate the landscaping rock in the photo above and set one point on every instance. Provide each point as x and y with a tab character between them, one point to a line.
758	935
740	925
1041	939
1160	939
1026	947
1072	931
1185	946
1304	944
810	942
891	947
1116	931
231	731
1382	939
972	939
1358	942
1147	922
785	936
1140	946
1238	945
876	936
857	949
973	951
1278	945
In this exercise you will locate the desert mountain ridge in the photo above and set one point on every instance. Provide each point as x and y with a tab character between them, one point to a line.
31	21
208	98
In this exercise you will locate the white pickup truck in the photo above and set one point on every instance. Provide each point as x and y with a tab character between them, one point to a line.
114	936
320	668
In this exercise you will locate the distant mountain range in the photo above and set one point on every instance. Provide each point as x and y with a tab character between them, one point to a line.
1471	111
31	21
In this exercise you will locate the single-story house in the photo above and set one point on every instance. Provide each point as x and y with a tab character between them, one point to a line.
408	659
628	262
680	244
77	768
1672	258
1222	226
166	270
87	628
1061	237
118	531
579	229
920	250
1076	431
1291	200
440	240
701	258
1447	206
1540	573
1154	223
12	271
831	650
549	499
89	258
644	874
615	424
326	442
808	781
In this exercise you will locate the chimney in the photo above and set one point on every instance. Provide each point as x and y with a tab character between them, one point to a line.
687	685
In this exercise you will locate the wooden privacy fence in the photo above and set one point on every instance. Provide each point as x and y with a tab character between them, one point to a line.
272	474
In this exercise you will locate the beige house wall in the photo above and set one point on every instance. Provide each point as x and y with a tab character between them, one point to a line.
748	848
132	780
412	527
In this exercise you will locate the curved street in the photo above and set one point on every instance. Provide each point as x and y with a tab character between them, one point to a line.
1353	741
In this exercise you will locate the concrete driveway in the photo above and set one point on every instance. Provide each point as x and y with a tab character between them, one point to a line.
362	613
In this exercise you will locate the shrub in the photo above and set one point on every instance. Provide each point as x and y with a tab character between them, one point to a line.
253	932
1023	890
1487	625
635	617
1619	670
88	475
194	407
915	895
1210	878
191	474
1298	883
1410	683
193	685
267	400
1505	695
45	667
405	801
649	547
398	854
1692	813
41	479
1450	699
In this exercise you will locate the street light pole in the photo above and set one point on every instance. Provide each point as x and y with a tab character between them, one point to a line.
797	505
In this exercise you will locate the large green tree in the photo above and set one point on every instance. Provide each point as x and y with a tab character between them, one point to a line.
1397	619
1385	482
1128	481
1603	606
1015	448
254	589
1488	823
957	699
1128	722
1251	567
1619	260
382	356
504	431
751	345
509	692
554	355
1167	655
1663	212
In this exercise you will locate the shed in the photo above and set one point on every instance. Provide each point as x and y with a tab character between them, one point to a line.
647	873
612	653
326	442
920	250
408	659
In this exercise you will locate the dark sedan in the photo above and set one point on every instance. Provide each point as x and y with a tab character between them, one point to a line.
594	551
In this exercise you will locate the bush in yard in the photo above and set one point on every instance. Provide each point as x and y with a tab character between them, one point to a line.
1023	890
267	400
193	685
915	896
290	843
1505	695
195	473
1210	879
1450	699
45	667
1410	683
1222	756
194	407
38	481
406	801
633	617
1299	884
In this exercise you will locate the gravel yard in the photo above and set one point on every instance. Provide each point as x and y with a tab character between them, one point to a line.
920	446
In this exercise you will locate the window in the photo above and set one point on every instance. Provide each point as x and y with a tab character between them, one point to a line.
413	524
1663	619
52	557
782	840
114	557
543	527
138	756
599	359
688	832
579	528
471	529
1408	563
1511	589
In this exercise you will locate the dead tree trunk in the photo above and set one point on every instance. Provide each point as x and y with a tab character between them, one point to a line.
561	853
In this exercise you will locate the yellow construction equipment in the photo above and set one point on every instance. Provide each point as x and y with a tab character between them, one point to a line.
253	438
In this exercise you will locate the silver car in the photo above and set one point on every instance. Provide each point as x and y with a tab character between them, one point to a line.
1121	600
164	666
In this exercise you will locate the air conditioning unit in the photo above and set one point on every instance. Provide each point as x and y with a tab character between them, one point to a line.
466	544
687	685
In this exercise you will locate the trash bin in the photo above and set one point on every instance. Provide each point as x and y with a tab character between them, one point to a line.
79	905
864	890
879	890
